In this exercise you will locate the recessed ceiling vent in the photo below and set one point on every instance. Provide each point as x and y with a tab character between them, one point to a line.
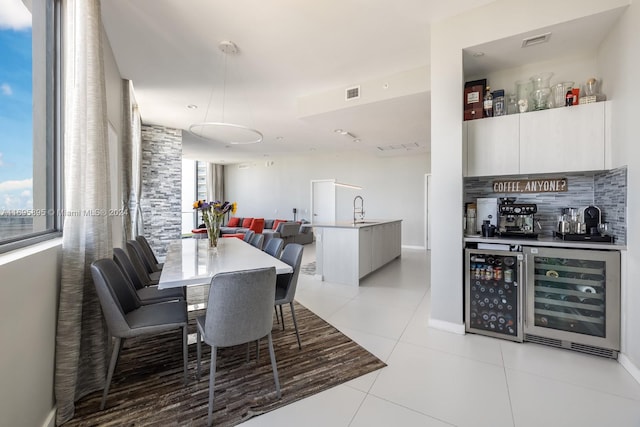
244	166
352	93
541	38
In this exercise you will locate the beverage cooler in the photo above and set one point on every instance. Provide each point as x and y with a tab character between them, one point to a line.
493	293
573	299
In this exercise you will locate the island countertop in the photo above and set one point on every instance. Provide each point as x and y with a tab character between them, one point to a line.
357	224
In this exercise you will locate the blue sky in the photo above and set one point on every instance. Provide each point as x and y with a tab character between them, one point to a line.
16	144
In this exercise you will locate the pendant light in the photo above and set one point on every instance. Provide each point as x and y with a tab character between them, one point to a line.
222	131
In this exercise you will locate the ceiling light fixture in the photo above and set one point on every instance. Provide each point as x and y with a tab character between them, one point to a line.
192	107
222	131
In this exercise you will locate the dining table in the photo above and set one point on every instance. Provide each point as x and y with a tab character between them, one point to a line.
193	262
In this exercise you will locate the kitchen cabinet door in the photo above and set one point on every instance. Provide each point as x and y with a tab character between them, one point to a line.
493	146
563	139
365	256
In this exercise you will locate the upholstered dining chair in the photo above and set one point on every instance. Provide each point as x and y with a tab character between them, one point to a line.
144	270
238	312
248	236
257	240
148	264
147	294
274	247
287	283
126	317
148	252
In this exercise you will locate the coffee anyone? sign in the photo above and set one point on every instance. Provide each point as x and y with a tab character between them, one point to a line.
544	185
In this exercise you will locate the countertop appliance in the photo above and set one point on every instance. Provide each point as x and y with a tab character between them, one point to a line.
487	209
573	299
493	292
517	219
582	224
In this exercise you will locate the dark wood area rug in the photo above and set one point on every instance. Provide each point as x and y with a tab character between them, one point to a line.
147	387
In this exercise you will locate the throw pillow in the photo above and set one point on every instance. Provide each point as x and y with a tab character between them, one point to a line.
246	223
234	221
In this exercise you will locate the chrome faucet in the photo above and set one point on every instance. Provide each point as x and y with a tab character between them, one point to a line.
358	211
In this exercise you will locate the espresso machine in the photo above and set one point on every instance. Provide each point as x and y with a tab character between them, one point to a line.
583	224
517	219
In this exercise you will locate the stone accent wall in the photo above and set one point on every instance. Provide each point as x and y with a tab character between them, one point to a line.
604	189
161	186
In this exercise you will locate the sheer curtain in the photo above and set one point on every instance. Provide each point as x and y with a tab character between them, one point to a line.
215	182
81	337
131	163
126	161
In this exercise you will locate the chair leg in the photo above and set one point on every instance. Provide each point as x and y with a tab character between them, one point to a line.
295	324
198	352
281	316
212	384
276	310
274	366
117	346
185	352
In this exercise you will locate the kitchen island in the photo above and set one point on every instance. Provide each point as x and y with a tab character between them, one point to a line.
347	251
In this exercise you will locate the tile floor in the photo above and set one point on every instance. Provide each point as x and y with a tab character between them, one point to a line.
435	378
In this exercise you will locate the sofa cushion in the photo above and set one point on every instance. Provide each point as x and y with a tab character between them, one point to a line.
234	221
268	224
276	223
246	223
257	225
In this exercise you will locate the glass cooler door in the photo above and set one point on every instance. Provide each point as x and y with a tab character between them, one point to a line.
493	294
571	295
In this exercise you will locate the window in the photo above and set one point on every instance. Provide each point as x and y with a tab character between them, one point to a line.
29	146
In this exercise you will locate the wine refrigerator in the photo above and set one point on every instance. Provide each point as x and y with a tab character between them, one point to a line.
573	299
493	293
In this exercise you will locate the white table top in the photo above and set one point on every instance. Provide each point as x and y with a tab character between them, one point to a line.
191	262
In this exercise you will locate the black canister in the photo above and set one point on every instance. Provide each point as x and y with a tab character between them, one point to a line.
488	230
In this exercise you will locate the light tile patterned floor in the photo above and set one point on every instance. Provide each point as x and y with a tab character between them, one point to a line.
435	378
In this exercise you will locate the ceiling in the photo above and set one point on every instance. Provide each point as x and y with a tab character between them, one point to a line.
290	53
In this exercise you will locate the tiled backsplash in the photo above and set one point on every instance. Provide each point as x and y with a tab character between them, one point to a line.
605	189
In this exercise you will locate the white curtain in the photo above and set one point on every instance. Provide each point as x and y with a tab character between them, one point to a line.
136	149
81	337
126	161
215	182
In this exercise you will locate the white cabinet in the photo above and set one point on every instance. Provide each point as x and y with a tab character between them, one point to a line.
493	146
365	251
563	139
556	140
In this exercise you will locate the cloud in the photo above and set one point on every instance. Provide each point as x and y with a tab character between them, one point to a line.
5	88
14	15
25	184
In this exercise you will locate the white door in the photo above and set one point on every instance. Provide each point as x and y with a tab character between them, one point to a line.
323	201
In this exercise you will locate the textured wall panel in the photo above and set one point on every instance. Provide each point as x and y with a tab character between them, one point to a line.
161	186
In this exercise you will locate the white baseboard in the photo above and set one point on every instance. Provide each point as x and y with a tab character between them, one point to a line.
50	421
422	248
456	328
629	366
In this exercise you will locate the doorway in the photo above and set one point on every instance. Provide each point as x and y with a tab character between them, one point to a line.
323	201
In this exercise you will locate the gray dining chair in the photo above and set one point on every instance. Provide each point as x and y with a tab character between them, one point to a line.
274	247
238	312
147	294
133	250
148	252
150	266
287	283
248	236
126	317
257	240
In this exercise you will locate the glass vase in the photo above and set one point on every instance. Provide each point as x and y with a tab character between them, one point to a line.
213	231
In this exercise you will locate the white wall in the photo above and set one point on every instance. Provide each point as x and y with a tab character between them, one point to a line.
619	65
448	38
393	188
28	306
